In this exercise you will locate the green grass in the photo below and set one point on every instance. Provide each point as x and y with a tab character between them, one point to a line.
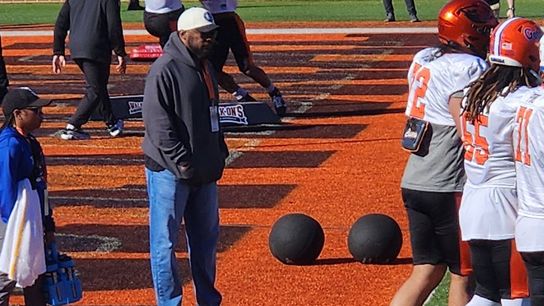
271	10
440	294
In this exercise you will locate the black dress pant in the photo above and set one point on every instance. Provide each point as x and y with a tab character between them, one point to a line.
96	96
3	75
410	7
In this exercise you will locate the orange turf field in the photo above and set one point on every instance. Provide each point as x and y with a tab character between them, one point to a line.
336	157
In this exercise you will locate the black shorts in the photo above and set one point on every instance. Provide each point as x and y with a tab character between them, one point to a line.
161	25
498	270
434	228
231	35
491	2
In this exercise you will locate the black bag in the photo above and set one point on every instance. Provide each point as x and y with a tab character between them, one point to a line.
414	133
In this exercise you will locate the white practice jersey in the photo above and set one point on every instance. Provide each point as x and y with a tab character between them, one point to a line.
220	6
489	151
432	80
489	204
162	6
529	154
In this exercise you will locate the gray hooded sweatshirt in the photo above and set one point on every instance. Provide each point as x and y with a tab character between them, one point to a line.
177	116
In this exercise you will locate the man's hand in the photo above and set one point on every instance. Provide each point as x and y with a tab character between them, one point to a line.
58	63
122	66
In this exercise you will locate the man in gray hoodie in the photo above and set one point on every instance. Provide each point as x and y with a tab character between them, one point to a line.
184	152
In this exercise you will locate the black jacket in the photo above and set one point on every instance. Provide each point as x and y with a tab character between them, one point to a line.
176	112
95	29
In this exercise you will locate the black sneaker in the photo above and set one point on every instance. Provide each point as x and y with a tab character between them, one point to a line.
279	103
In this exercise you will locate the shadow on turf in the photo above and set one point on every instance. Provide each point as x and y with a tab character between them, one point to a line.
103	238
133	196
352	113
340	261
314	131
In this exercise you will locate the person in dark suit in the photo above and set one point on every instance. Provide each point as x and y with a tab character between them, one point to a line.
95	31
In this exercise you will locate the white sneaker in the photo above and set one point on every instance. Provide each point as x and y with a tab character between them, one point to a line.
73	134
116	129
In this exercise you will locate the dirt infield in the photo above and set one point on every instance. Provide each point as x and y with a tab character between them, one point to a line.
336	157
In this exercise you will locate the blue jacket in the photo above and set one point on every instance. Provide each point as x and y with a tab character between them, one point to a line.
16	164
22	158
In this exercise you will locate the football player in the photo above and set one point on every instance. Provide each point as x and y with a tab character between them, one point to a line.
231	36
433	178
488	209
528	144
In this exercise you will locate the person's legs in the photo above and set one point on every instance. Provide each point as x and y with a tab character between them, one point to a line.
434	236
202	228
418	286
6	287
162	25
220	53
242	53
167	200
96	77
428	269
244	59
534	261
104	103
389	10
411	8
487	284
511	273
459	294
34	294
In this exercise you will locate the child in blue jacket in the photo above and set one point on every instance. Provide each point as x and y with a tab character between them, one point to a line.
21	157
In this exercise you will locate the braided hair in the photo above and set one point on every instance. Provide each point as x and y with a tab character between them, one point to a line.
498	80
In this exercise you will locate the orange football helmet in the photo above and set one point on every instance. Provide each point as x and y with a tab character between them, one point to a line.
466	25
516	43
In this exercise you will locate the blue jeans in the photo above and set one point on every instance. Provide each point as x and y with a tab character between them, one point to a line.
170	200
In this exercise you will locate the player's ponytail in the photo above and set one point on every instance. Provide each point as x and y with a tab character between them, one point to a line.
497	81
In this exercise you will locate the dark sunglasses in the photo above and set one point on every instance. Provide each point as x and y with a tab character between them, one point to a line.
210	34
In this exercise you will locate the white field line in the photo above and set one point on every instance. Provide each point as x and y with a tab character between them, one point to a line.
302	31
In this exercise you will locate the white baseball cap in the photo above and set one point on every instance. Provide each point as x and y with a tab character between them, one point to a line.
196	18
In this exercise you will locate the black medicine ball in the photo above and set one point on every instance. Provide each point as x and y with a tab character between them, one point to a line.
296	239
375	238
